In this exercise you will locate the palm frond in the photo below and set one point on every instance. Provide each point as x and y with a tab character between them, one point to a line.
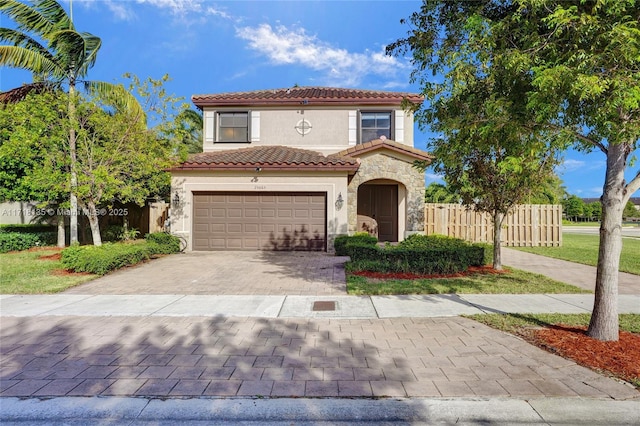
18	38
192	117
117	96
20	57
54	12
27	18
69	46
19	93
92	46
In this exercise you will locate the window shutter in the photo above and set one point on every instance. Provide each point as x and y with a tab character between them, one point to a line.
209	127
399	127
255	126
353	127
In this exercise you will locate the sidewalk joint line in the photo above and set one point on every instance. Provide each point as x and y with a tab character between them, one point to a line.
182	296
551	296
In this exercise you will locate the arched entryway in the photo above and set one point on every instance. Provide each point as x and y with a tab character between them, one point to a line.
380	200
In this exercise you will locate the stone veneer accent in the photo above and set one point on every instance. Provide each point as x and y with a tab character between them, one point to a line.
383	166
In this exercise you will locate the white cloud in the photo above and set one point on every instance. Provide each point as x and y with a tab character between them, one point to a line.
177	7
433	176
185	10
121	11
595	191
570	165
592	192
284	46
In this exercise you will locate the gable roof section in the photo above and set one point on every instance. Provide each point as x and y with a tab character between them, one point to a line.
312	96
356	151
273	157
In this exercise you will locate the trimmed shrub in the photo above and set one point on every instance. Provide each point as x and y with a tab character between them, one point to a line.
27	228
105	258
360	251
417	254
417	241
163	243
340	242
112	256
16	241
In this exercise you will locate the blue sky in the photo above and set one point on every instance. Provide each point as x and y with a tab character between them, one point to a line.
210	47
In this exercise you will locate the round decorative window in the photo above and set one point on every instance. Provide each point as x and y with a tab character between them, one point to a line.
303	127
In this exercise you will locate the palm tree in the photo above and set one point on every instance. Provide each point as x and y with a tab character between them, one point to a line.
189	126
46	43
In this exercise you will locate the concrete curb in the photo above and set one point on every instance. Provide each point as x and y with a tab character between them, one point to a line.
347	307
459	411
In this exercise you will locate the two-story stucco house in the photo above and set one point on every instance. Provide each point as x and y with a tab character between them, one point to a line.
290	169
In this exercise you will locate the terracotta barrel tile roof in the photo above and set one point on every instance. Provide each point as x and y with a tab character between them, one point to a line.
306	95
274	157
355	151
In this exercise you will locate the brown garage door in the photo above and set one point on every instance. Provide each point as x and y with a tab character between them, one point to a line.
259	221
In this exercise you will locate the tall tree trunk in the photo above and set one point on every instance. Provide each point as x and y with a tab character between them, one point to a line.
94	223
61	236
497	237
604	319
73	199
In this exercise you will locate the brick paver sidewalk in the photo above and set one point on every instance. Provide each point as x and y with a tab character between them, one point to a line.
168	356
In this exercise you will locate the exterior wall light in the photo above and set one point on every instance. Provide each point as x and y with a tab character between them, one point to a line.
176	198
339	202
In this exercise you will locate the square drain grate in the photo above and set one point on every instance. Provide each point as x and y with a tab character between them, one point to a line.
324	305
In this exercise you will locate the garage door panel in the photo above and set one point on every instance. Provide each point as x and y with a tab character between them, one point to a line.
217	243
259	221
267	228
217	228
201	212
251	212
251	228
234	228
234	243
217	213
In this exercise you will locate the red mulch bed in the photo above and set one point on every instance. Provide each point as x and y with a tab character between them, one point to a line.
621	358
43	248
473	270
54	256
66	272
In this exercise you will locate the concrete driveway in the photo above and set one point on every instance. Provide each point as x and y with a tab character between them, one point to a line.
228	273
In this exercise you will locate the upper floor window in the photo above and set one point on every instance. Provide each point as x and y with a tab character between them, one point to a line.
373	125
233	127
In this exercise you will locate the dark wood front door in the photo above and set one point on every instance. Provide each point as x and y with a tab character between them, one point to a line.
380	202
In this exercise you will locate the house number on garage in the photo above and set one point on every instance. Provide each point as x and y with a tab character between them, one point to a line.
260	187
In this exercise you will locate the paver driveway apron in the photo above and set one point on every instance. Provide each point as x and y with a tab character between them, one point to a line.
228	273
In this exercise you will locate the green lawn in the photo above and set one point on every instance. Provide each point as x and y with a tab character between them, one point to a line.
515	323
25	273
584	249
513	282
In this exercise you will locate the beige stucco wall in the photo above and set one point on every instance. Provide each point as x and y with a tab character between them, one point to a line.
384	166
332	129
186	183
